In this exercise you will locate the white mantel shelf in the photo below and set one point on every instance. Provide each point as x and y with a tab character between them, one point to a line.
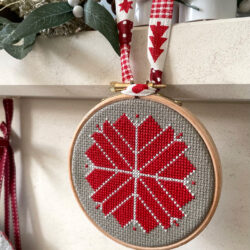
208	60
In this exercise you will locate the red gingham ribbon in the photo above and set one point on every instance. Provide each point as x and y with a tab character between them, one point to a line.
158	34
8	175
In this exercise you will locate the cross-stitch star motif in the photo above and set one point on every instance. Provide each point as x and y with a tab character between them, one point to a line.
139	173
126	5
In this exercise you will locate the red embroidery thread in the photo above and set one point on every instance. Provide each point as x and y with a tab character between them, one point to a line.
139	87
138	173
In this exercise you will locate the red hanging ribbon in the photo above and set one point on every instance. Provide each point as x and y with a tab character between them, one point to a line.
158	36
8	174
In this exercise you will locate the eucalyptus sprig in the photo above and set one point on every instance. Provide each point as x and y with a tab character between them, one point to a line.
17	39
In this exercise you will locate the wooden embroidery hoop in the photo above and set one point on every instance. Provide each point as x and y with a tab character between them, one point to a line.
204	135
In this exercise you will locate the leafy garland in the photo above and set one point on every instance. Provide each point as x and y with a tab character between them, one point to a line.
17	39
19	9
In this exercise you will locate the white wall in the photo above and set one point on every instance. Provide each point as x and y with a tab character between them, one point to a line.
49	214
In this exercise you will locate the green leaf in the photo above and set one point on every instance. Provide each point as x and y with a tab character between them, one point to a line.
98	18
5	32
4	20
15	50
20	51
46	16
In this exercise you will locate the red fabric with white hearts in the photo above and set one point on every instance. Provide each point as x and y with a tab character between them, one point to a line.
125	16
139	173
158	34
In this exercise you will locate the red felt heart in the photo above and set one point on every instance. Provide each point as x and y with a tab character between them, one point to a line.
139	87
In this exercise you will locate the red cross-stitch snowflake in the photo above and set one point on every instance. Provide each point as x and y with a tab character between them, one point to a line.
139	173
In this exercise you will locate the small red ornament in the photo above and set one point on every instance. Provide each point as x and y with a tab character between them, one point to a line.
139	87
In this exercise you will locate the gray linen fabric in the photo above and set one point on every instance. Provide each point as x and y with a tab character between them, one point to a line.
196	210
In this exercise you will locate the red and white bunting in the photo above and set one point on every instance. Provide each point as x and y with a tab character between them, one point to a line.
158	36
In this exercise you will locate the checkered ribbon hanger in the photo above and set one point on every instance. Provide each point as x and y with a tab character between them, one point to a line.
158	36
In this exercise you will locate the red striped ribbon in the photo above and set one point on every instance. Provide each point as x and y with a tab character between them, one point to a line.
8	175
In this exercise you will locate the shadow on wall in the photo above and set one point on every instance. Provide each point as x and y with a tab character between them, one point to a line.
229	126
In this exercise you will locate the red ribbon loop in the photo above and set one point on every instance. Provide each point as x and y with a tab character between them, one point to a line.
4	143
8	174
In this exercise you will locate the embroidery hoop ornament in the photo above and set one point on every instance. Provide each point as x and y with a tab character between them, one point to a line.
108	113
204	135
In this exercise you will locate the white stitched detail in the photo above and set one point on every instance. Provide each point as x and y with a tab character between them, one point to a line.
112	169
157	177
122	185
129	118
122	137
159	153
187	181
103	184
150	211
142	121
136	178
171	198
117	150
137	224
105	154
172	220
173	160
119	205
153	139
155	198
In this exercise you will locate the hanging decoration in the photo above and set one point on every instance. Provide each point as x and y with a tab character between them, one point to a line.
144	170
8	180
